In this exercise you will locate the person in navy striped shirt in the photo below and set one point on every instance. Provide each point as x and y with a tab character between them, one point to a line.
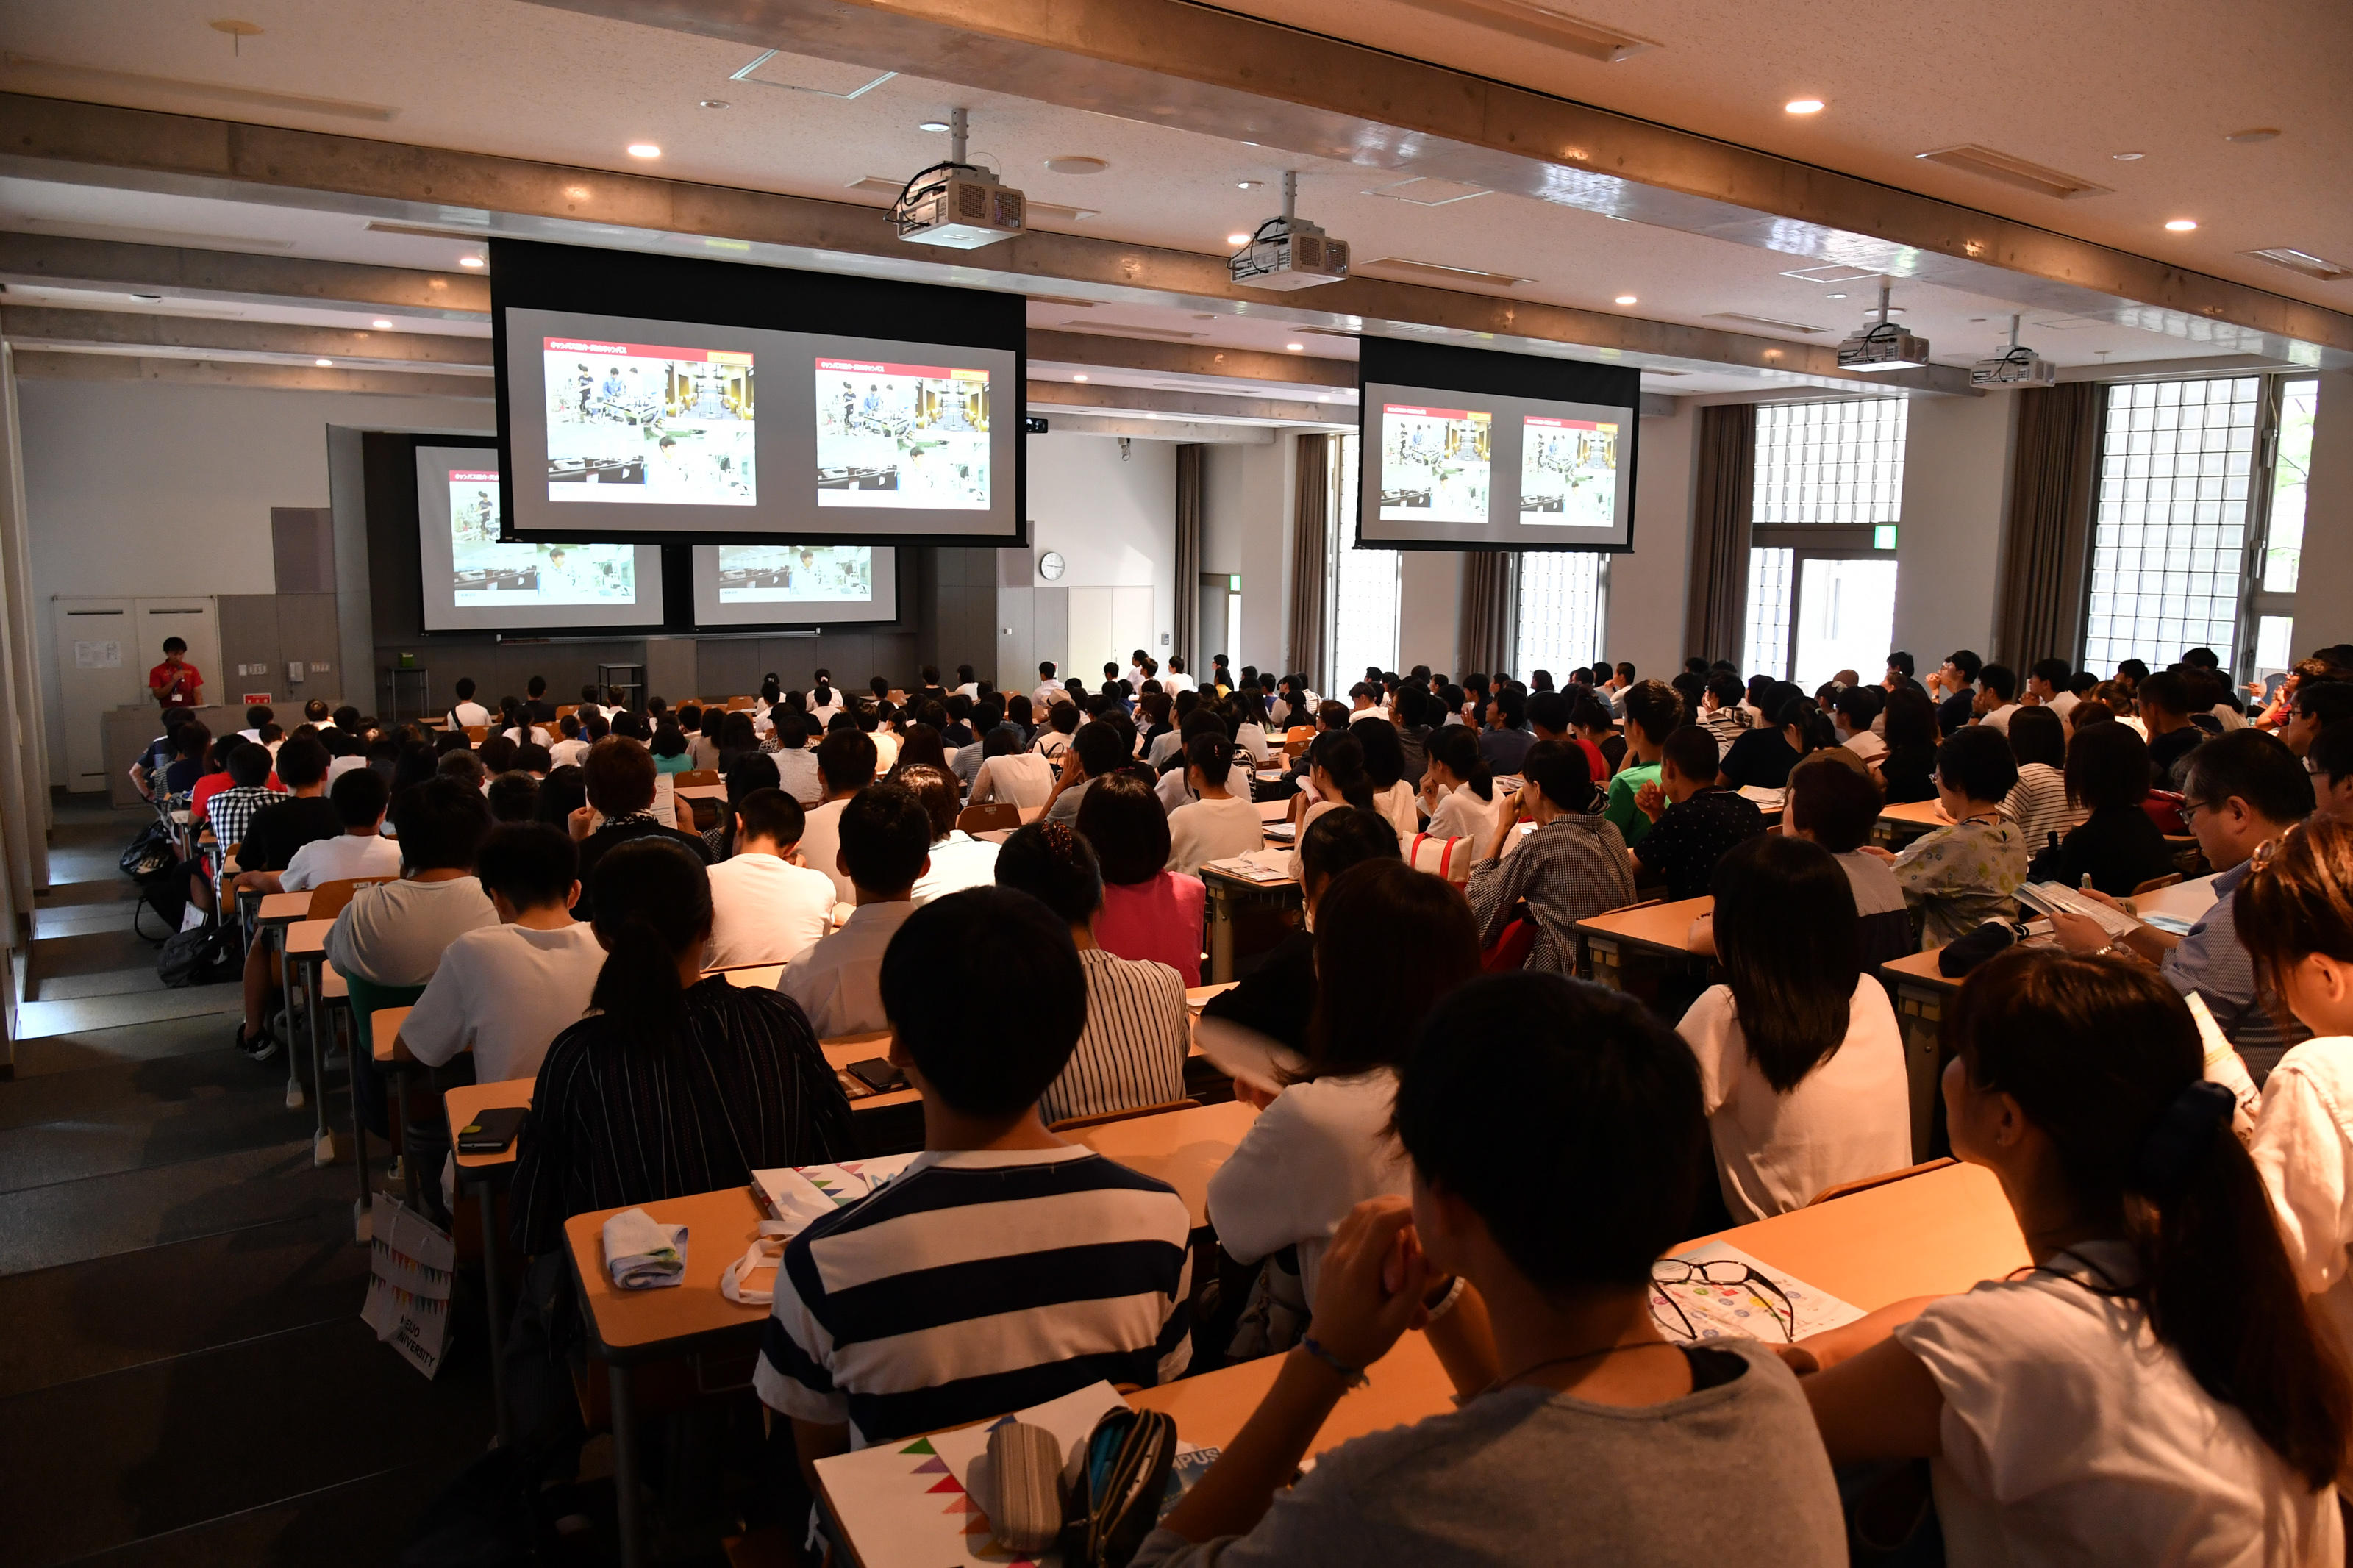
1004	1266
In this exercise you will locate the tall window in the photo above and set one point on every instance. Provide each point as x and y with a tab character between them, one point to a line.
1365	584
1561	607
2170	547
1821	575
2274	604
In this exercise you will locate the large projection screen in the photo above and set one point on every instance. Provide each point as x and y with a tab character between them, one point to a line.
791	407
795	585
474	581
1469	449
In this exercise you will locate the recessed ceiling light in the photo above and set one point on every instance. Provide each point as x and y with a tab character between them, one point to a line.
1833	296
381	325
1296	348
2128	157
1247	184
1626	298
470	261
1078	378
714	103
2248	138
1803	106
323	362
936	127
1237	239
2180	225
644	150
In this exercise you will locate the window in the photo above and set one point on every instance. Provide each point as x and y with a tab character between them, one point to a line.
1561	601
2169	544
2284	539
1824	514
1365	584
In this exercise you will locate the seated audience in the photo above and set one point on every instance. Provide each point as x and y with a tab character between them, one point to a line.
1218	825
1958	877
1837	807
1336	778
958	859
284	824
1693	820
1011	774
1573	865
2116	844
1653	713
1097	749
1584	1437
1907	768
2152	1391
1277	997
1999	699
619	774
669	748
513	796
1505	739
765	907
1852	713
394	934
1132	1052
1458	787
844	765
672	1084
2330	762
1385	771
1763	757
1089	1258
1149	912
2038	802
1323	1145
2165	706
1800	1060
886	839
361	850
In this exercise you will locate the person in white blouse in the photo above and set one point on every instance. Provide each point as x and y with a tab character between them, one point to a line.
1218	825
1322	1145
824	702
958	859
1384	766
2152	1390
1458	788
766	907
1800	1062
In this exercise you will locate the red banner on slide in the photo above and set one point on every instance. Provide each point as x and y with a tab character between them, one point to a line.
459	477
1571	423
873	367
1431	413
645	350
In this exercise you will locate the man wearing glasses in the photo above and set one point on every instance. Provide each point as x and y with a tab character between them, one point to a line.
2243	789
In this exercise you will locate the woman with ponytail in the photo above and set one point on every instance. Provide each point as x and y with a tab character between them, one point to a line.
1218	825
2151	1390
673	1083
1336	777
1458	790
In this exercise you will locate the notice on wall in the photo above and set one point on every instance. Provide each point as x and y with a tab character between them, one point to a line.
105	655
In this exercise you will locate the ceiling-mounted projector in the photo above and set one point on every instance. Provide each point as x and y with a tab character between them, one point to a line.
955	204
1288	252
2016	366
1882	345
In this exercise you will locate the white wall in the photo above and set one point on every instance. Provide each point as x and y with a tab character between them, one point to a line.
146	488
2324	591
1948	549
1429	610
1248	510
1112	520
1647	584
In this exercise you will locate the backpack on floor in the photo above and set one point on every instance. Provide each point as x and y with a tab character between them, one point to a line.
162	879
154	850
205	955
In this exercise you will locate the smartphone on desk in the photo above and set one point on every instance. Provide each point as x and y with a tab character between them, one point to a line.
877	1073
492	1131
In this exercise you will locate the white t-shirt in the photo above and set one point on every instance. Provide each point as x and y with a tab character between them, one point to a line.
2303	1147
1850	1117
567	753
838	981
1021	778
468	715
2071	1436
886	751
2063	703
394	934
764	910
1210	830
1863	744
1999	718
1320	1150
1047	693
504	990
958	861
337	767
339	859
1174	681
1397	803
797	776
821	844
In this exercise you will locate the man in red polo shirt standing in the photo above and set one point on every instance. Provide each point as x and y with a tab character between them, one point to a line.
175	683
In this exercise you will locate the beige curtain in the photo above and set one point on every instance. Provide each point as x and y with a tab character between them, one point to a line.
1715	617
1307	645
1189	474
2054	486
1491	613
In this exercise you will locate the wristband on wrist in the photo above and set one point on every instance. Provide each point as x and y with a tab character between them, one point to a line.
1445	1304
1354	1376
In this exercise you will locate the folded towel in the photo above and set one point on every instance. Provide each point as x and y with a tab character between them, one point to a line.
643	1254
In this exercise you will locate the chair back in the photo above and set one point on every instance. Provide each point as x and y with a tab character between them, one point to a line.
477	733
693	776
1072	1123
367	997
564	708
328	899
742	704
1864	1184
2154	883
996	816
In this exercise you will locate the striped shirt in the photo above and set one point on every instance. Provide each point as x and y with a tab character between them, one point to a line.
1571	867
1133	1049
978	1283
2038	802
616	1121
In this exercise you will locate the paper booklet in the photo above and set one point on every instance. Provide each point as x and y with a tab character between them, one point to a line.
1742	1311
802	1194
2047	897
1258	866
1764	799
1248	1057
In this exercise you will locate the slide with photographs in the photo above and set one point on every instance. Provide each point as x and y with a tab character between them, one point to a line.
901	435
636	423
1434	464
1568	472
795	574
483	572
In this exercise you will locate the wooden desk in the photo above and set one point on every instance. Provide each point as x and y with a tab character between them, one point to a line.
466	1101
1646	928
1182	1148
1227	895
283	909
384	1030
1899	825
839	1053
757	977
700	792
2184	900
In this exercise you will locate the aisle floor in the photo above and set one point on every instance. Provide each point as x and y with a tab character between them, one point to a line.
185	1378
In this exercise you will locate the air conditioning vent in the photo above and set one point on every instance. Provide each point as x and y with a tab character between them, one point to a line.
1990	164
1762	321
2302	261
1424	192
1440	272
1542	24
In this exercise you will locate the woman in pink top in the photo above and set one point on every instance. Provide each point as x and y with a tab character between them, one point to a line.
1147	911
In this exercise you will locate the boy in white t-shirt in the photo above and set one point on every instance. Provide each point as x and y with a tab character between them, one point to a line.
766	907
360	797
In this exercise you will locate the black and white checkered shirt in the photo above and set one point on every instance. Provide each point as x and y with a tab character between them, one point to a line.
1571	867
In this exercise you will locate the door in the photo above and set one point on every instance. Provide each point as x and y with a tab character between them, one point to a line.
195	620
1845	617
98	666
1220	629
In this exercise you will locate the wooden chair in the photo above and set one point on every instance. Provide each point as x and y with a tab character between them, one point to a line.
1073	1123
993	816
742	704
564	708
477	733
694	776
2154	883
1864	1184
328	899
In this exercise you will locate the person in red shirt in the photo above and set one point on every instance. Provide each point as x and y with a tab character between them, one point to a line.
175	683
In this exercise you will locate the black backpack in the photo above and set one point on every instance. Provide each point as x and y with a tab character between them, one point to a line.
205	955
154	862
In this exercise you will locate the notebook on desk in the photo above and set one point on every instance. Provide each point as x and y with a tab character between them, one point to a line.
802	1194
2051	898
